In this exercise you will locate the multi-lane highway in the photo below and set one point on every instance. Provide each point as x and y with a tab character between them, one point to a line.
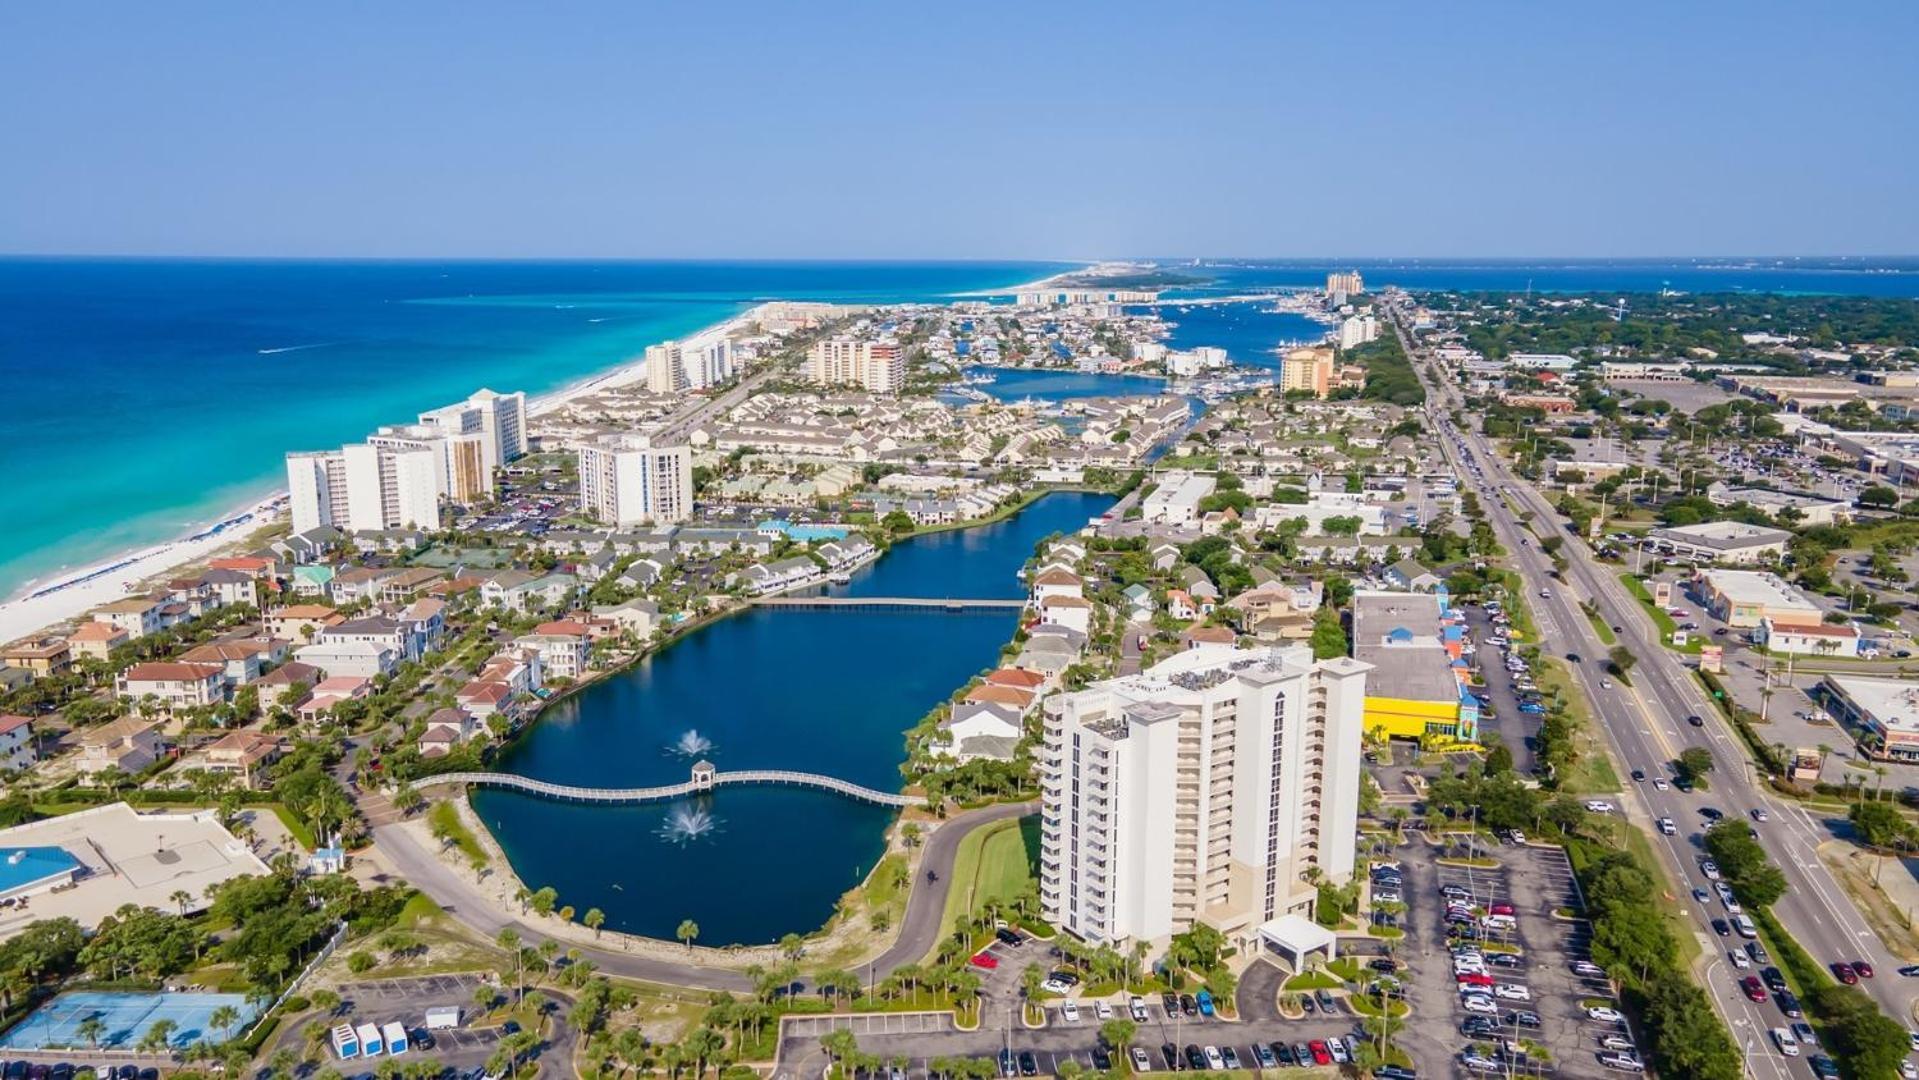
1646	724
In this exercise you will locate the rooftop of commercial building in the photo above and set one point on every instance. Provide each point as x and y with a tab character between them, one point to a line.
1399	635
1723	535
1758	587
1894	703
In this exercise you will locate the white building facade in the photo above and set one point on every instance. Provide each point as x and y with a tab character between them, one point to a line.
627	480
1200	790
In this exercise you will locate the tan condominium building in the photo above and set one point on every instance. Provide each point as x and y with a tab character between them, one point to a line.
629	480
1309	369
1206	788
877	366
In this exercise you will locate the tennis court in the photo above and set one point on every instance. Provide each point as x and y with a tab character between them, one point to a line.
125	1019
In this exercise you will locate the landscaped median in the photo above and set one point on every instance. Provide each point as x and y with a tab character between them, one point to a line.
1866	1041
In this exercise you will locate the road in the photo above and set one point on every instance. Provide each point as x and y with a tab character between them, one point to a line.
919	930
1646	726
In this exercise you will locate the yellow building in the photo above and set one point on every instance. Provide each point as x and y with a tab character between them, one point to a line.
1309	369
1412	640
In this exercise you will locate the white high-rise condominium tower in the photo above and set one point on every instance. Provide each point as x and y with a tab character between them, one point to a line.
673	366
399	475
878	366
498	419
627	480
1200	790
365	487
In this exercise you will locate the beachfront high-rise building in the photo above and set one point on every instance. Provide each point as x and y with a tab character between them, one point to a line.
498	419
673	366
878	366
398	477
1202	789
365	487
1339	286
1309	368
627	480
1357	330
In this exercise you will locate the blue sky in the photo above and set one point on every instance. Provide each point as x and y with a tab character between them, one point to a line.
959	130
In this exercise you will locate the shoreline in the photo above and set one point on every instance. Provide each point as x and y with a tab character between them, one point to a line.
63	596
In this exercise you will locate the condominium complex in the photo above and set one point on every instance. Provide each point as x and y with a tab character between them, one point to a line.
1357	330
1339	286
1309	369
627	480
673	366
1202	789
401	474
878	366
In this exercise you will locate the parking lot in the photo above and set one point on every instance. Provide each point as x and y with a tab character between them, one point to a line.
1515	728
1531	883
406	1000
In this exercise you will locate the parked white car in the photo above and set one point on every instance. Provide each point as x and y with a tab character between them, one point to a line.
1070	1011
1605	1015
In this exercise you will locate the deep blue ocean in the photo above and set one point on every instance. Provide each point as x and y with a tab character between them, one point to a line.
149	395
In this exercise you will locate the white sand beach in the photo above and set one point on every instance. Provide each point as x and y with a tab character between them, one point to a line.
69	595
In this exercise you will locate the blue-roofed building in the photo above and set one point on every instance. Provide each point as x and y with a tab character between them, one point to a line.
962	348
1060	350
35	869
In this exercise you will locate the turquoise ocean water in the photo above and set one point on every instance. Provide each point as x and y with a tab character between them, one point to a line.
145	397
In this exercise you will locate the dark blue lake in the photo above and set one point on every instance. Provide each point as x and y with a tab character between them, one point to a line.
815	690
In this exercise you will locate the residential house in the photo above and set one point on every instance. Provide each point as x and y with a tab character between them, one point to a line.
137	616
445	729
358	659
42	657
562	646
1068	611
178	685
243	755
637	617
1056	583
96	640
129	744
982	731
1139	603
301	622
233	586
331	691
17	747
1408	576
1180	605
287	685
240	661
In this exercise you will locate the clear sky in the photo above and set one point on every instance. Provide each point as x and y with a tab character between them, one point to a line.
972	129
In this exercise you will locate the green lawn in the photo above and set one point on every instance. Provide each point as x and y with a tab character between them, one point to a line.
300	830
994	862
1599	627
1676	921
1659	617
443	818
1593	773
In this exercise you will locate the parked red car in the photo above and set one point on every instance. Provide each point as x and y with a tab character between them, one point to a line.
985	960
1473	979
1501	909
1754	991
1320	1056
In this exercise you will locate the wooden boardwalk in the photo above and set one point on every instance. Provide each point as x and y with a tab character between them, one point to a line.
698	784
879	602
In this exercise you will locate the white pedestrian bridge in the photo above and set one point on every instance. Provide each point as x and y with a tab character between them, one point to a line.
705	778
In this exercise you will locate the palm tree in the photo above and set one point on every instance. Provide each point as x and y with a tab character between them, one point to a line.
688	931
158	1037
594	919
181	898
91	1029
223	1019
